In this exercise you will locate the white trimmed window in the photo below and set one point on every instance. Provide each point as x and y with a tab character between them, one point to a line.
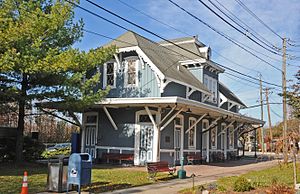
213	138
192	134
131	72
205	124
109	74
231	137
211	85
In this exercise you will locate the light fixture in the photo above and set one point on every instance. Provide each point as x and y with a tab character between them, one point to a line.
188	110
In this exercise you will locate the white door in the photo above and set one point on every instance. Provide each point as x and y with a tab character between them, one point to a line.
204	144
90	140
178	138
177	143
146	143
223	144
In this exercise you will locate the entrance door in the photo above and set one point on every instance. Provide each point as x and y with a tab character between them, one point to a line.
178	138
223	144
90	133
146	143
90	140
177	143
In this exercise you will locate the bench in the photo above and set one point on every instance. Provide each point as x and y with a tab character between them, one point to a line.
117	157
192	158
163	166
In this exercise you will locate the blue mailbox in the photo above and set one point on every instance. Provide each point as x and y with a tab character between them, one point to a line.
79	169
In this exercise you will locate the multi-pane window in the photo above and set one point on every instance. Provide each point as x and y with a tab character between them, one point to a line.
110	74
192	133
214	137
211	85
131	77
231	137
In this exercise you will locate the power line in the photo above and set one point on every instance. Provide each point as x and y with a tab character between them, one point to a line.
223	35
180	31
241	32
257	18
157	36
246	25
147	15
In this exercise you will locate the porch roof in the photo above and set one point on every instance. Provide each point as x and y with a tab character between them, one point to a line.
194	106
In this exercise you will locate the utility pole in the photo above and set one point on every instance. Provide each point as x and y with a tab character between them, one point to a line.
269	118
285	148
261	113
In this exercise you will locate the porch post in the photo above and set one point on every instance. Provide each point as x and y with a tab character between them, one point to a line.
156	134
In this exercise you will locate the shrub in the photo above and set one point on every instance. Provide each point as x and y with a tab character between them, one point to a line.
242	184
57	152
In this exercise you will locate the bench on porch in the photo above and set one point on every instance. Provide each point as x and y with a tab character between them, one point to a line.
192	158
163	166
118	157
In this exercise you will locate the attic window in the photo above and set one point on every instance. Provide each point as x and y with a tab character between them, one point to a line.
131	72
109	74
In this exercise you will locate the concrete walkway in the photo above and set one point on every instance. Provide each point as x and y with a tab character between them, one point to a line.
204	174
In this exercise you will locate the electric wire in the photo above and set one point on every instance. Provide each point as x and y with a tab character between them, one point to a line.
223	35
241	21
238	30
97	15
180	31
257	18
171	41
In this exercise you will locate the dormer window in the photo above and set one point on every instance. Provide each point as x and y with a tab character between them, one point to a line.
109	74
211	85
131	72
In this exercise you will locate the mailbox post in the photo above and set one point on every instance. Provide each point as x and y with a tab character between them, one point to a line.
79	169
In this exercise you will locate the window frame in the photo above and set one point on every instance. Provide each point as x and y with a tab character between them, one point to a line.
194	135
105	74
136	59
212	85
231	135
216	137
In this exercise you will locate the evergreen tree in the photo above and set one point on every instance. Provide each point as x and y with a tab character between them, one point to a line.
38	63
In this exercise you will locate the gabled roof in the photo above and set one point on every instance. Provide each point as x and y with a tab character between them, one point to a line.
163	58
229	94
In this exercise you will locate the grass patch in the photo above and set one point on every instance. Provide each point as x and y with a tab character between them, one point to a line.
103	179
278	179
282	175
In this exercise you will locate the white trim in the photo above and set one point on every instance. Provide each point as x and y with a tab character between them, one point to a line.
207	138
118	61
195	132
114	148
138	132
181	117
216	137
226	127
156	101
198	120
213	88
169	113
173	117
215	122
224	132
110	118
105	74
229	137
180	42
136	65
167	150
145	57
87	134
156	138
191	151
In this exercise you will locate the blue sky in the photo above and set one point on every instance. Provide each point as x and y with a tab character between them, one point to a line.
283	16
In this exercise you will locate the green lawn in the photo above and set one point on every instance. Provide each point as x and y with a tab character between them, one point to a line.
279	175
103	179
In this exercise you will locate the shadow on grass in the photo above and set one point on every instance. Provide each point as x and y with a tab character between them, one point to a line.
97	187
15	169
